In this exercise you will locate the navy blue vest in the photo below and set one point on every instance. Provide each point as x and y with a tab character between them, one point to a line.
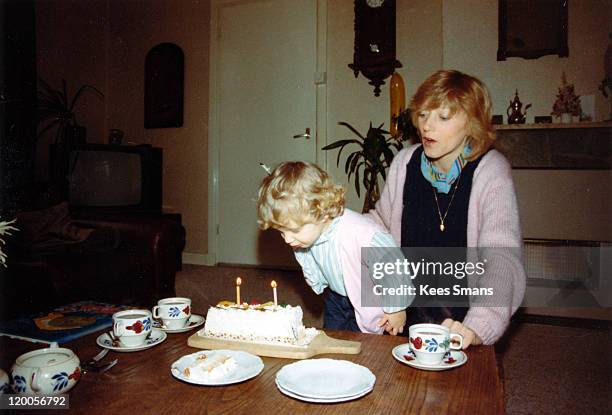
421	229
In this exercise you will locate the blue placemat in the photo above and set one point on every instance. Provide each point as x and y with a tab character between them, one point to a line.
62	324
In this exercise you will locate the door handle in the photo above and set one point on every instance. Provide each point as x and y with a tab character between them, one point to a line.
306	135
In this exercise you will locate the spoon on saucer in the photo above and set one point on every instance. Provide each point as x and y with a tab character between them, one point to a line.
115	340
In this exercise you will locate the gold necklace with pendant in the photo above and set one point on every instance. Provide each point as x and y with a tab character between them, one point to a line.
442	218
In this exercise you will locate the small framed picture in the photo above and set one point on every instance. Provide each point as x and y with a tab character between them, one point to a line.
164	78
532	28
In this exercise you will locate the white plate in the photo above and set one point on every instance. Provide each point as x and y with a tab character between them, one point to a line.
322	400
247	366
405	355
195	320
325	378
155	338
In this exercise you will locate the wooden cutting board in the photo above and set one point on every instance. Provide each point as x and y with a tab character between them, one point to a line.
321	344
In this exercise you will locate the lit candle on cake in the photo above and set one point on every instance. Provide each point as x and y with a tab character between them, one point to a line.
273	284
238	282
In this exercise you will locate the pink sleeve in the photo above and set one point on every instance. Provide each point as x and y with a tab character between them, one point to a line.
388	209
496	213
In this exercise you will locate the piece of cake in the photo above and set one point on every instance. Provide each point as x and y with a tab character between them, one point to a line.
268	324
210	367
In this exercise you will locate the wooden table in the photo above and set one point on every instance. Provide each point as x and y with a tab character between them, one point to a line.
141	383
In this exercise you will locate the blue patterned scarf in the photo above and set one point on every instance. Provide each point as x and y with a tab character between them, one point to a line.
443	181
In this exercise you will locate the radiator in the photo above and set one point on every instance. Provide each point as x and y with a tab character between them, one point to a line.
563	263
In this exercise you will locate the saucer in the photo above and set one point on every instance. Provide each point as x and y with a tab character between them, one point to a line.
452	359
155	338
322	400
247	366
195	320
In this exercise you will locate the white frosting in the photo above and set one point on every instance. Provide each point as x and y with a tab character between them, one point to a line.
211	367
268	325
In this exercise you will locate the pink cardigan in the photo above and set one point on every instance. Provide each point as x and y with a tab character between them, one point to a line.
356	231
493	221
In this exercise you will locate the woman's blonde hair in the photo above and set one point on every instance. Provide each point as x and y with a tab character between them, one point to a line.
298	193
459	92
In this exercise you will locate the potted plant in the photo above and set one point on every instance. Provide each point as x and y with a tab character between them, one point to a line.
56	109
567	103
55	106
370	161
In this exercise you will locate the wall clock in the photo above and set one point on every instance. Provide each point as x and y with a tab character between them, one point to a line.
374	52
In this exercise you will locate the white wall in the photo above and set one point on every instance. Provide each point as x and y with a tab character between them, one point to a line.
470	45
135	27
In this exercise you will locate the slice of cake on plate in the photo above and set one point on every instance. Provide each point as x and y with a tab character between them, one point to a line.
209	367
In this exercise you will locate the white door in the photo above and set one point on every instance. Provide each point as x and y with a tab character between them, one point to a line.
265	66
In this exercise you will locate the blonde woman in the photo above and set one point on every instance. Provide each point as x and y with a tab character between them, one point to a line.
454	190
299	200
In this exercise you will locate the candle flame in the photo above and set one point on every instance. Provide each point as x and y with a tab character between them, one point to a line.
273	284
238	281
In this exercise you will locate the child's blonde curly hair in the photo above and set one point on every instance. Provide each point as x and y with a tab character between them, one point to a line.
297	193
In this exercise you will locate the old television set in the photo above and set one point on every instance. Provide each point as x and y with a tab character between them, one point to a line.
115	178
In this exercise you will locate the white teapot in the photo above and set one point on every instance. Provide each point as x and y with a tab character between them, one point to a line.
49	371
4	382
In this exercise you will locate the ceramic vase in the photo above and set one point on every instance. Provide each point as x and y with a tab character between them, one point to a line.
566	118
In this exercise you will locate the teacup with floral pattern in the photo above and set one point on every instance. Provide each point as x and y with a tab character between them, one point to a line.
132	327
174	312
430	342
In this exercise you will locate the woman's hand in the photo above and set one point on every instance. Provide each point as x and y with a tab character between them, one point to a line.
393	322
469	337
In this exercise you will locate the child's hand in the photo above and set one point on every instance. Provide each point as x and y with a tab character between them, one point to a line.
393	322
469	337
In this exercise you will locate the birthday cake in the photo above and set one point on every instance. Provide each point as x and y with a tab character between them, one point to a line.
261	323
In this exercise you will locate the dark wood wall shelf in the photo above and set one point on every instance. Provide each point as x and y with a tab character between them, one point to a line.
554	126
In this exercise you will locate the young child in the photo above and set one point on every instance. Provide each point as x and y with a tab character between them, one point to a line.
300	200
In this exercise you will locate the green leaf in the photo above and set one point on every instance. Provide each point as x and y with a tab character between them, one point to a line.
52	94
348	161
58	134
354	164
350	127
388	155
64	94
340	143
83	89
48	127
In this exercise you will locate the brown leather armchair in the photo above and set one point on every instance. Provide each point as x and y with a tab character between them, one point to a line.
125	259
